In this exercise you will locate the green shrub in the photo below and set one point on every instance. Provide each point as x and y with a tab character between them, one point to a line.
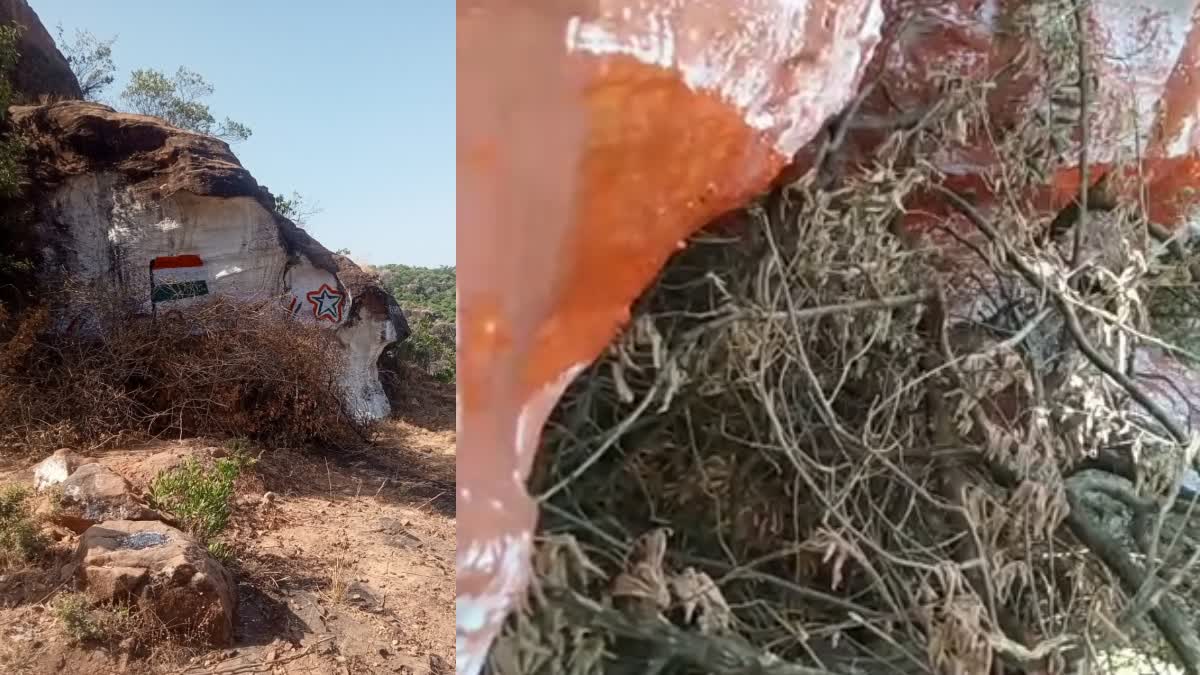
221	551
74	610
200	494
427	296
20	541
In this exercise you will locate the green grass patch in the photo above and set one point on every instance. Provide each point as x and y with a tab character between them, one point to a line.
74	612
200	494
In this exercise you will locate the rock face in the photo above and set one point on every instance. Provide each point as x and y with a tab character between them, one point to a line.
41	69
95	493
161	569
167	218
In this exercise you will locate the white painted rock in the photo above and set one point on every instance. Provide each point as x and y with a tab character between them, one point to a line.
163	570
56	468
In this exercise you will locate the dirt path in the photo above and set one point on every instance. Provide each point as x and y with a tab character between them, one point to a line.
344	562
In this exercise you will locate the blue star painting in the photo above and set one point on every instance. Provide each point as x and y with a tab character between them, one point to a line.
326	303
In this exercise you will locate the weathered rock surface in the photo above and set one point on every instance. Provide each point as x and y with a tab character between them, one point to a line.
41	69
161	569
142	470
56	468
166	218
95	493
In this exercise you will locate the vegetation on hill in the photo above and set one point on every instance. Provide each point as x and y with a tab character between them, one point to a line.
430	288
427	295
17	252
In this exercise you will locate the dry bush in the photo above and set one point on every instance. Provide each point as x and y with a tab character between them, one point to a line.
96	371
890	454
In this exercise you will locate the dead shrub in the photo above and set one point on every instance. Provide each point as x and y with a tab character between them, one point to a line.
101	371
891	451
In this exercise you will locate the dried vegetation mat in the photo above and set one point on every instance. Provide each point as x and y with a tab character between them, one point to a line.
829	444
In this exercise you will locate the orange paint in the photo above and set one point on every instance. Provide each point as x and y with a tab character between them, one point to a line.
579	175
649	185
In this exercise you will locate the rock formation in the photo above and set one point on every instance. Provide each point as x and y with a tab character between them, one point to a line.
166	217
162	570
56	468
42	71
94	493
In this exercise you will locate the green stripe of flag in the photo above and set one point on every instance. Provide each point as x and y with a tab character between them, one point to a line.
178	291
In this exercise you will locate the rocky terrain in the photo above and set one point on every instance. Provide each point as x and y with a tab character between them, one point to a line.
330	564
153	552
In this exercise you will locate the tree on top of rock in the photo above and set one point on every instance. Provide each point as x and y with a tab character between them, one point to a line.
296	208
179	100
90	58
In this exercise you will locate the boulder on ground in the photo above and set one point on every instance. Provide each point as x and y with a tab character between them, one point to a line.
94	493
141	470
163	570
57	468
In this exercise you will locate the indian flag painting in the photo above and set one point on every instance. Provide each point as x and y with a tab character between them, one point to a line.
177	277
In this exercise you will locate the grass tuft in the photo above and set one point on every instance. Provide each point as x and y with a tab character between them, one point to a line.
200	494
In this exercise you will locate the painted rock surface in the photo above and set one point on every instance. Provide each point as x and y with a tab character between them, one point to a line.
595	135
166	218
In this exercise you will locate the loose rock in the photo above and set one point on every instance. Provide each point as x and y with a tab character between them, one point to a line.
57	468
159	568
93	494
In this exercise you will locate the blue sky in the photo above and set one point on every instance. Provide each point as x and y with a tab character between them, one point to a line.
351	104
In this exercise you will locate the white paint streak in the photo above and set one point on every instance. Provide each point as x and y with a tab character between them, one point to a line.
478	616
534	412
744	65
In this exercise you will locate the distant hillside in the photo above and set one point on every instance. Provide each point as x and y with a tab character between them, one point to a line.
427	296
429	288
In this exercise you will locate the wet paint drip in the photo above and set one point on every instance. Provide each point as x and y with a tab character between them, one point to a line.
783	66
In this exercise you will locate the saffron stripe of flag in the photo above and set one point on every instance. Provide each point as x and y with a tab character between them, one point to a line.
175	262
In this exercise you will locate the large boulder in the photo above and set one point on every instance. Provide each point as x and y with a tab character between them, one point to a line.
95	493
162	570
41	69
162	218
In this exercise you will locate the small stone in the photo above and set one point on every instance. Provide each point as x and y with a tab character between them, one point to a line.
56	468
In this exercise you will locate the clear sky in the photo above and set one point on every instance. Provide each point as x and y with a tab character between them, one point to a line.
351	104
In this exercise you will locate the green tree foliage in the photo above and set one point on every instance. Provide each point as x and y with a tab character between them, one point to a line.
11	149
296	208
90	58
16	261
179	100
430	288
427	295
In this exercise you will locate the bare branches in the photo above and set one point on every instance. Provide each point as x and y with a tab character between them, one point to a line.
1167	616
1073	325
1085	88
711	653
858	460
